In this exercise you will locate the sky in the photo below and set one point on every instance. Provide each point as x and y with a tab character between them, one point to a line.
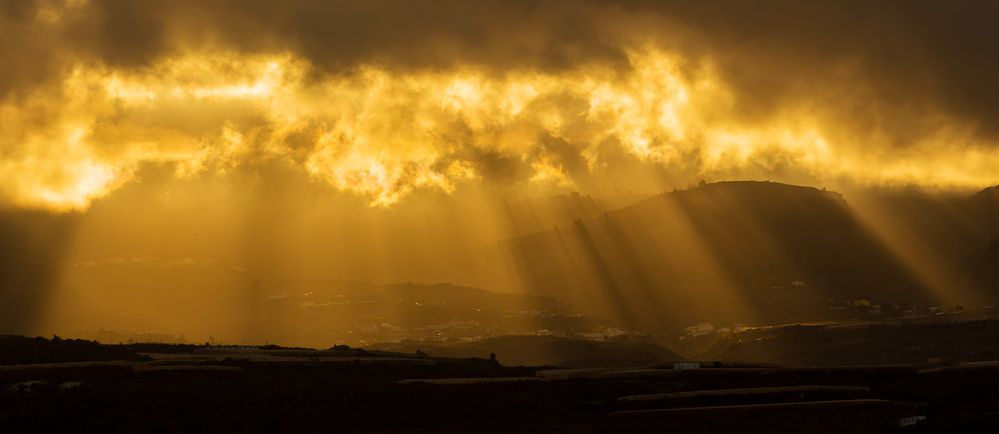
390	137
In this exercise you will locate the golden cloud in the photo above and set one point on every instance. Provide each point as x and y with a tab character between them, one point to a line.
383	134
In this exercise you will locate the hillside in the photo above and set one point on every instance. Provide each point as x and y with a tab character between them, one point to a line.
723	252
985	208
946	236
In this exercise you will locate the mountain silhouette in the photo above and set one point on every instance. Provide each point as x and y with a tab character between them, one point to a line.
727	251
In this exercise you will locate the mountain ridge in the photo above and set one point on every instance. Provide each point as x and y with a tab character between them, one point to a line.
699	253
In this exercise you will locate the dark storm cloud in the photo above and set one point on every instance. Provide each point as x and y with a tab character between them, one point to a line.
120	32
338	35
898	55
26	59
877	59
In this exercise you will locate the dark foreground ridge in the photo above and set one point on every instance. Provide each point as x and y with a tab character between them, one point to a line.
167	388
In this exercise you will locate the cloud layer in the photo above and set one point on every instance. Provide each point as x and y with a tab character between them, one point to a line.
382	98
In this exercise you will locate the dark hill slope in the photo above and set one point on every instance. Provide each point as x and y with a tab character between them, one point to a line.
951	236
730	251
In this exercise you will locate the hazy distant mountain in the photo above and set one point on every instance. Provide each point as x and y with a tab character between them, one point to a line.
729	251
